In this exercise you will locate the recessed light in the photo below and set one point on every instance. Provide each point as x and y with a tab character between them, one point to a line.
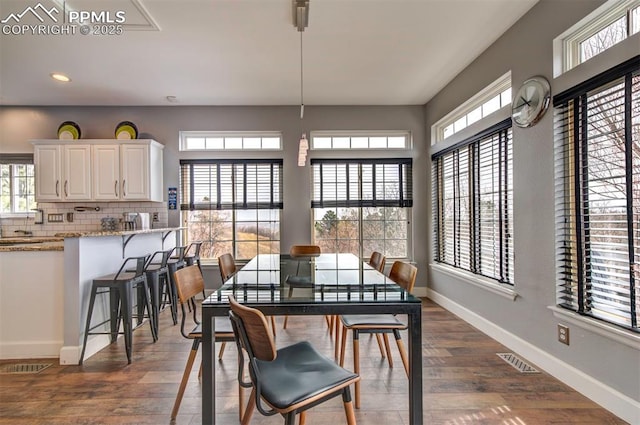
60	77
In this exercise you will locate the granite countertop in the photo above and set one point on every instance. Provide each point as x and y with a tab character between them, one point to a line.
99	233
31	244
56	243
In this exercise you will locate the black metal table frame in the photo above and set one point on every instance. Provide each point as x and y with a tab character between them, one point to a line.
413	311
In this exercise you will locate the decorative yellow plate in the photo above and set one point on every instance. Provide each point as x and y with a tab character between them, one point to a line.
126	130
69	130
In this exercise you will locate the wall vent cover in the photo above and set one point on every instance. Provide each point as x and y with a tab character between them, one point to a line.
515	361
24	367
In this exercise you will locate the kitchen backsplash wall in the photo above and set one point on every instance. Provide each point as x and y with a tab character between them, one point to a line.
83	221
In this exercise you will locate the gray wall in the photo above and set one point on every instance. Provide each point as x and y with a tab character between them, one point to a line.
526	50
20	124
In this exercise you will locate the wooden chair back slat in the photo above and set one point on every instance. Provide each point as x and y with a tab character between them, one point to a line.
304	250
257	330
404	274
227	266
189	283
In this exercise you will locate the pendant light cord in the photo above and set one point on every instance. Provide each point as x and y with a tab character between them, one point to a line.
301	79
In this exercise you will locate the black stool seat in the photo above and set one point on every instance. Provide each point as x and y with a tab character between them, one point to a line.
120	287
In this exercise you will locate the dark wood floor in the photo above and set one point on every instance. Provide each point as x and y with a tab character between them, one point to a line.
465	382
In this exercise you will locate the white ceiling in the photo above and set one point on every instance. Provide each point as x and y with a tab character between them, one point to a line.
247	52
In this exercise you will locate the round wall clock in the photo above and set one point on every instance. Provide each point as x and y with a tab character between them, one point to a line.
531	101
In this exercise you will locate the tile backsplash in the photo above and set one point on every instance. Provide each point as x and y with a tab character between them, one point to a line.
84	221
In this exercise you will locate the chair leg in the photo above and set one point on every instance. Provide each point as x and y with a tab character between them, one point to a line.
329	320
388	348
273	325
147	304
336	348
379	339
356	363
343	345
290	418
185	378
240	402
403	352
251	405
221	352
114	313
303	418
286	318
127	319
348	407
92	300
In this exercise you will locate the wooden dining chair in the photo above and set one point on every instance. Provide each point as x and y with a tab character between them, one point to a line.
302	251
227	266
189	283
404	274
377	261
290	380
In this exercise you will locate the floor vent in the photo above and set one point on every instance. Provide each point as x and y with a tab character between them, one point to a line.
518	363
24	368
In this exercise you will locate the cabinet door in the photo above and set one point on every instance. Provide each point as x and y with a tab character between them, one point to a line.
77	172
106	172
134	171
48	172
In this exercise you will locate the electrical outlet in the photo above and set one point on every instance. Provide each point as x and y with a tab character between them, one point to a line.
563	334
155	216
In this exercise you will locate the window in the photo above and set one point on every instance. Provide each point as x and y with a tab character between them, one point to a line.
17	183
612	23
360	140
473	204
224	140
360	206
232	205
494	97
597	148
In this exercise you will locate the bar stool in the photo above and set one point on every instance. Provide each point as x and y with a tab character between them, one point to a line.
120	286
174	263
192	256
157	278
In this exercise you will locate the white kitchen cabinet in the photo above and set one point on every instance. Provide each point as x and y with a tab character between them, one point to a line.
130	171
106	172
63	172
114	170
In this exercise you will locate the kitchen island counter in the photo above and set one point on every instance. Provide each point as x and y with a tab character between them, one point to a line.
58	272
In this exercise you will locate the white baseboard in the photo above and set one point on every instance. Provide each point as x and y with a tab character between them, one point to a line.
619	404
29	350
70	354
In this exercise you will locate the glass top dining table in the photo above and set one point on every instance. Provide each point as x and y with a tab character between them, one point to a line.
326	284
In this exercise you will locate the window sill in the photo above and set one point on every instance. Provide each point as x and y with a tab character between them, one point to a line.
492	286
603	329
